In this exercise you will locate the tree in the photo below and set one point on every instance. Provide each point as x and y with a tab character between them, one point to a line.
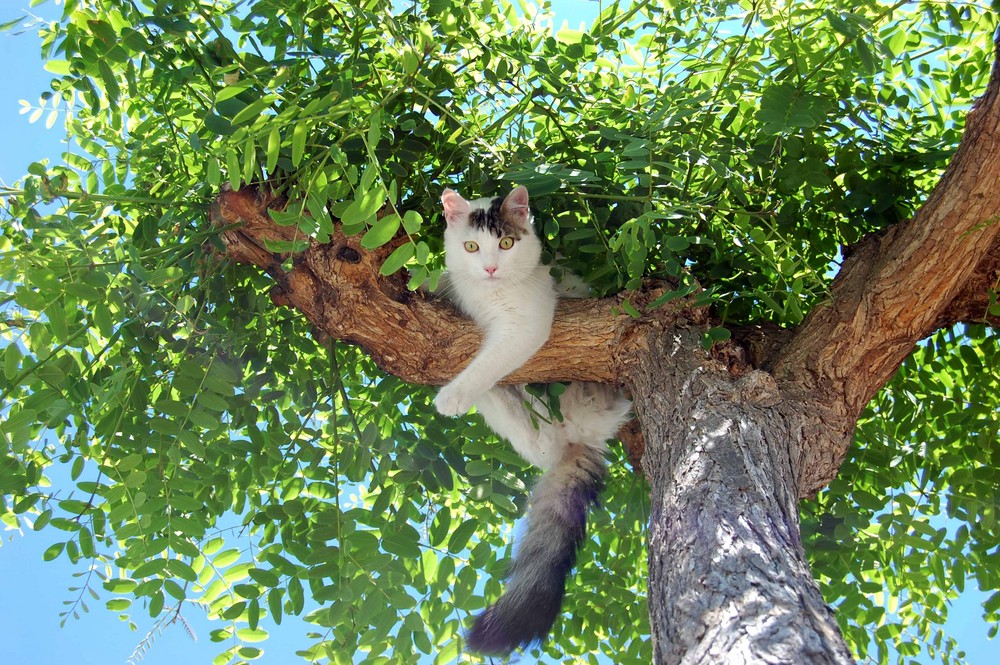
211	323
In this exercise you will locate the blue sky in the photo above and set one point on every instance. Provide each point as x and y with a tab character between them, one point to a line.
33	592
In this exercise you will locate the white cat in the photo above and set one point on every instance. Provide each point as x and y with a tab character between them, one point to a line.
495	276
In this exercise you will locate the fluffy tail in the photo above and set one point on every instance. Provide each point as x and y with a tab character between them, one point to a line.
537	577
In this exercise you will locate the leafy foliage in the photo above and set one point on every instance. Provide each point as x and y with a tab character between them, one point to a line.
217	454
910	521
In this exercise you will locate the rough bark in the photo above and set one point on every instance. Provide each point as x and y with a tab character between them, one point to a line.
725	553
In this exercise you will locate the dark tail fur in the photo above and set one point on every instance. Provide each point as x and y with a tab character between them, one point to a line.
556	528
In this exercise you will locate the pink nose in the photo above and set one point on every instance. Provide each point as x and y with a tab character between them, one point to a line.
490	269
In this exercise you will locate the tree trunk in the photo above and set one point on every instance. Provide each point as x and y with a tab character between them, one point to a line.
728	577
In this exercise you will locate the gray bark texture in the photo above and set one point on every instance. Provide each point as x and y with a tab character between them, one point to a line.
725	555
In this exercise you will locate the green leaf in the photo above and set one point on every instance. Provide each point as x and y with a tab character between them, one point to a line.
150	568
233	169
253	110
234	611
713	335
223	559
156	603
676	243
53	551
382	232
265	577
182	570
397	259
460	536
119	604
120	586
218	125
110	81
630	309
4	27
249	160
403	541
174	589
370	198
296	595
42	519
299	135
412	222
274	605
479	467
374	130
273	149
103	320
230	91
252	635
11	361
248	591
410	61
439	526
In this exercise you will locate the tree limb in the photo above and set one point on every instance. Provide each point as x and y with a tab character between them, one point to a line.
903	283
340	290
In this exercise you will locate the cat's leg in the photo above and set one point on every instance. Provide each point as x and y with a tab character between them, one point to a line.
503	351
592	413
507	414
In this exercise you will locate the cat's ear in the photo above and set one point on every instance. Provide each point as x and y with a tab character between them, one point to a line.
456	209
516	206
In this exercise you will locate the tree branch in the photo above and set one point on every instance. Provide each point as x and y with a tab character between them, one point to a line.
901	284
339	289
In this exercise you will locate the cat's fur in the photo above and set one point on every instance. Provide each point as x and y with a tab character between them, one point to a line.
510	295
507	292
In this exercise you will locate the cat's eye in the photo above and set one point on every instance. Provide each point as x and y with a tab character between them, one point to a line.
471	247
506	242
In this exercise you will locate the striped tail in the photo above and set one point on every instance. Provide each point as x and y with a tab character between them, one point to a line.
556	528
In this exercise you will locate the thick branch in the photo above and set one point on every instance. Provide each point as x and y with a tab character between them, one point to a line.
902	284
725	551
339	289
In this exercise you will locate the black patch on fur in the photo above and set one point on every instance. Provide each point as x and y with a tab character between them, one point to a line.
493	220
517	621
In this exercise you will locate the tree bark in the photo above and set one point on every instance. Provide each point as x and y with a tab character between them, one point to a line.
731	580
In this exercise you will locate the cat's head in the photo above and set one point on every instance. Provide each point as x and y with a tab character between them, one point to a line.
490	240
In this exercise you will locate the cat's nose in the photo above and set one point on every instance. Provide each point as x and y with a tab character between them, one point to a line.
490	269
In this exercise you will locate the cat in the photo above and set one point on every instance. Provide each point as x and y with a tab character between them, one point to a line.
495	275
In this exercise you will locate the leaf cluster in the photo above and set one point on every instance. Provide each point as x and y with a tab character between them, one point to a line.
911	521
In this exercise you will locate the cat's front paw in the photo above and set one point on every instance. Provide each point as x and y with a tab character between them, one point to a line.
453	401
